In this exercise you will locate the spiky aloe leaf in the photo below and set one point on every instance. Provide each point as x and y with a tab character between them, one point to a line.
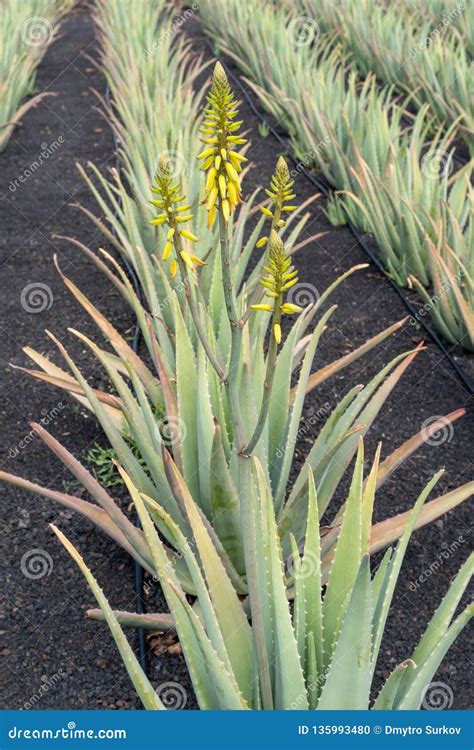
225	508
140	681
346	563
347	684
229	612
289	684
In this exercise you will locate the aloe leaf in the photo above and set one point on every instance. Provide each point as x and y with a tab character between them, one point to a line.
157	622
188	397
296	410
232	619
347	685
388	531
383	603
413	696
331	369
439	624
93	513
346	562
290	689
225	508
140	681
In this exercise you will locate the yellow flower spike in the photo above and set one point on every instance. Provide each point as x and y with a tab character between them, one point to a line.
188	235
222	127
167	251
173	268
277	332
279	276
262	242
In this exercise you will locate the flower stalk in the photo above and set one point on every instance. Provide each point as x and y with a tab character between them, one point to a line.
174	216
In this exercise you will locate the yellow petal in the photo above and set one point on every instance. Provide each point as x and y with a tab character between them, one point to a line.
226	209
167	251
187	259
170	234
188	235
262	242
231	172
222	186
197	260
277	332
211	217
211	178
173	268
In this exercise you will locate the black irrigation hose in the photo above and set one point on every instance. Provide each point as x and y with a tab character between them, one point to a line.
324	188
138	570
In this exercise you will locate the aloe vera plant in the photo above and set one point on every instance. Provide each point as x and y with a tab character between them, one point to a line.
27	28
321	652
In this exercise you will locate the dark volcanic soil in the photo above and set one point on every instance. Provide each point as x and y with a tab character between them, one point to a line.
47	649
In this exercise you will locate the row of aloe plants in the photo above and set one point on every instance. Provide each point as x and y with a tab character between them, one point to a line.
27	29
205	427
421	50
408	196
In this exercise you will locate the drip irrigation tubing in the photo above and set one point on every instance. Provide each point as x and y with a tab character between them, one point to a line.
138	570
326	189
